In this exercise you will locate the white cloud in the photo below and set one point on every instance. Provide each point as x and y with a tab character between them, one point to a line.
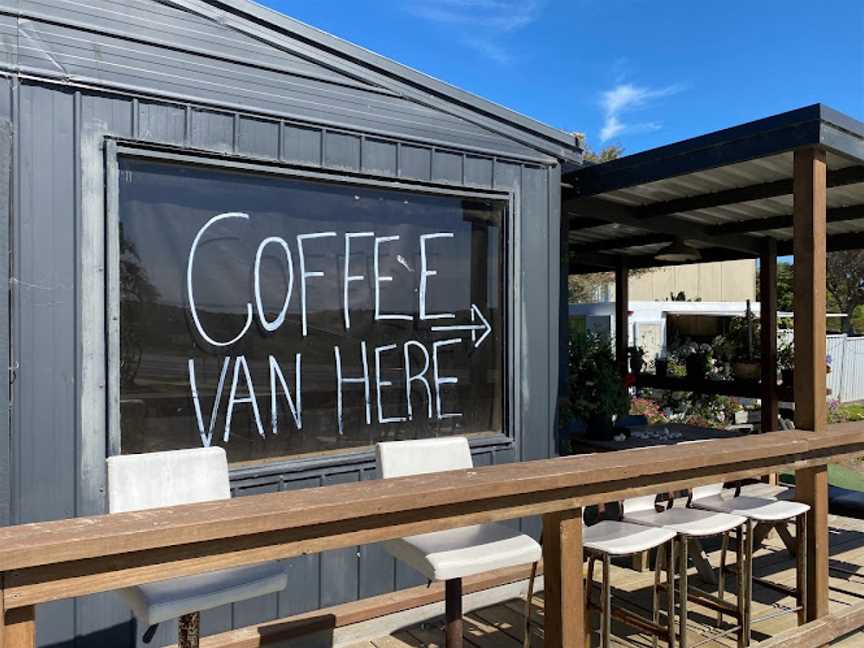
626	98
490	50
482	24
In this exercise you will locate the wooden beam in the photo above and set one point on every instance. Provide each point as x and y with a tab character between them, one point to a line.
768	342
623	215
622	243
810	248
580	222
57	560
598	262
836	243
276	633
783	221
622	319
418	500
810	350
812	488
563	594
837	178
826	629
608	260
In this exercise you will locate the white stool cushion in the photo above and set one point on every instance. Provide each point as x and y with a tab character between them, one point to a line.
687	521
157	602
457	553
760	509
622	539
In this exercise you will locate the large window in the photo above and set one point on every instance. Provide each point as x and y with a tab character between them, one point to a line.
278	316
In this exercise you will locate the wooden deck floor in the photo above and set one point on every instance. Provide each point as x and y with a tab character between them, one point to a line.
500	626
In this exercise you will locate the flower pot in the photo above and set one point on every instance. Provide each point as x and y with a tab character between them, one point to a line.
637	364
661	367
746	370
697	366
787	376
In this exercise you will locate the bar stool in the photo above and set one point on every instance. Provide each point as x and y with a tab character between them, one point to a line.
613	538
760	511
453	554
690	523
156	479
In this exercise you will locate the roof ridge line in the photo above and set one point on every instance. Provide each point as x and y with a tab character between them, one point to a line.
273	27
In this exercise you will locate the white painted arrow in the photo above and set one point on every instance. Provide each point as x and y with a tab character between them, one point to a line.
486	327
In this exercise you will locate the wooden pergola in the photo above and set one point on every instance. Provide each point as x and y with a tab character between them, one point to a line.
788	184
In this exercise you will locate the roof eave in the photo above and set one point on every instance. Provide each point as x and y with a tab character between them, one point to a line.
412	84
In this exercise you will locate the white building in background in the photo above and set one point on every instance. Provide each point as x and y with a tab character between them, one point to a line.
723	281
654	324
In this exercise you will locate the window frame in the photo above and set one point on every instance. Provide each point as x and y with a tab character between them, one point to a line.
115	149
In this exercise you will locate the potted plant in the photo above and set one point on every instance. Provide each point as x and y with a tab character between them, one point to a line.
636	355
597	391
661	366
697	357
740	347
786	361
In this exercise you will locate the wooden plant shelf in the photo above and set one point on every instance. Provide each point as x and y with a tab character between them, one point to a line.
742	388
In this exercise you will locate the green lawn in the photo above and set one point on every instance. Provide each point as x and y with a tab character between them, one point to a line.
840	476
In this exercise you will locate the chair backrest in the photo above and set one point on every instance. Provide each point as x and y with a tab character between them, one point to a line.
421	456
641	503
706	491
154	479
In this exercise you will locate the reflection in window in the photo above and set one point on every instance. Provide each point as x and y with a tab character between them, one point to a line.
278	316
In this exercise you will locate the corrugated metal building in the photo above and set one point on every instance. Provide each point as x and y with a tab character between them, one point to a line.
119	115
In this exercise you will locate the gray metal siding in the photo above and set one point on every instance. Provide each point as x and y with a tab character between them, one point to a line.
50	120
162	23
122	43
6	148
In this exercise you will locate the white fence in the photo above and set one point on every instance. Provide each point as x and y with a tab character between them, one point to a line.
846	379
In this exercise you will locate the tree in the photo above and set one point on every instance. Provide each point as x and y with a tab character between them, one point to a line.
785	288
845	283
603	155
583	288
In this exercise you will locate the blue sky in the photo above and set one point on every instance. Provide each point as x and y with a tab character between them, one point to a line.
637	73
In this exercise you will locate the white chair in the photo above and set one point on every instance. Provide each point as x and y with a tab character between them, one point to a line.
612	538
453	554
157	479
690	523
769	512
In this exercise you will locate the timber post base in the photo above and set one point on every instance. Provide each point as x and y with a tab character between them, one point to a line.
564	619
19	628
453	612
189	630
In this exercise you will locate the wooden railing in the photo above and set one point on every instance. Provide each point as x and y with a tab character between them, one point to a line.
49	561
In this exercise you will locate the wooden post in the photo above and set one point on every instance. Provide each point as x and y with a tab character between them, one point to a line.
810	349
768	341
17	626
564	617
453	613
622	304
